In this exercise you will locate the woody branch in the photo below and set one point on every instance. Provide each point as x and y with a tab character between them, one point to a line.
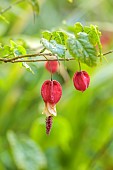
45	55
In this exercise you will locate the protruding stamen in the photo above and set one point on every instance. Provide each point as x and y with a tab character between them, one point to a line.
48	124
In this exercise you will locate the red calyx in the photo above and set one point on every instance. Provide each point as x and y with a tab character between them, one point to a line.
51	91
51	66
81	80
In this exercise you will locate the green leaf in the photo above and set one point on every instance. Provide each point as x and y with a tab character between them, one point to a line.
19	50
82	50
59	36
78	28
56	37
54	47
94	36
13	44
5	51
35	5
86	29
28	68
46	35
63	37
26	154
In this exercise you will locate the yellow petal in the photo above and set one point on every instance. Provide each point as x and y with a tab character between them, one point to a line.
49	110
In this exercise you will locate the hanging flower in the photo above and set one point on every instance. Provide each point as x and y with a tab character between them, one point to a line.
81	80
51	92
51	66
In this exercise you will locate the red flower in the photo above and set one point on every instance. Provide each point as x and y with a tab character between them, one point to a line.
81	80
51	92
51	66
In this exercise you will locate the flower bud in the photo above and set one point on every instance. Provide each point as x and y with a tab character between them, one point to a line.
51	66
81	80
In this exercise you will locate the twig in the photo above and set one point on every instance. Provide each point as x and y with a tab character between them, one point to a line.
111	51
34	60
10	6
25	56
19	58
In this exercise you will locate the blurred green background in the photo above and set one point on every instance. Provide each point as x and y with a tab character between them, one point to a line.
82	133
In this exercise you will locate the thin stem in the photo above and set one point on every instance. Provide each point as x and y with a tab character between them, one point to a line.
49	67
51	76
79	65
50	70
111	51
10	6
